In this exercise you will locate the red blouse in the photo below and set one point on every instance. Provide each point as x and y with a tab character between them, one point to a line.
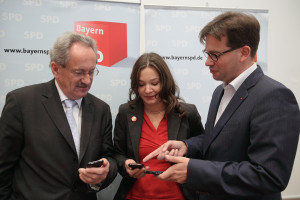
149	187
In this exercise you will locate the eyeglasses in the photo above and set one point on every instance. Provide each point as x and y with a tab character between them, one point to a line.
81	73
215	57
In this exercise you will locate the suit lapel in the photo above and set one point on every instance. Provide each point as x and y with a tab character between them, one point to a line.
211	117
135	127
173	125
86	125
53	106
233	105
238	98
213	109
135	123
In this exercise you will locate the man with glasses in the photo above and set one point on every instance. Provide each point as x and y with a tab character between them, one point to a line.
50	131
253	123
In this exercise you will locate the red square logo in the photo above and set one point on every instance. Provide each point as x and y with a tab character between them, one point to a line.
111	39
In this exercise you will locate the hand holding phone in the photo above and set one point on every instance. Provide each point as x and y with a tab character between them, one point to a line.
135	165
153	172
96	163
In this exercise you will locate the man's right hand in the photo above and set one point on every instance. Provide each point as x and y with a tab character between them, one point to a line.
135	173
172	148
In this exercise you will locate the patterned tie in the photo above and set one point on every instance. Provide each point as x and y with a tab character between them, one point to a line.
69	113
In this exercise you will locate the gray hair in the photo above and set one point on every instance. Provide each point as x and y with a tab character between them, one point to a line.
60	51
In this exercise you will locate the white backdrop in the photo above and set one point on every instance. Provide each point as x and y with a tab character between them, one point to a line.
282	48
28	29
173	32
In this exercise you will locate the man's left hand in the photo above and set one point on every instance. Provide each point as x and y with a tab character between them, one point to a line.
94	175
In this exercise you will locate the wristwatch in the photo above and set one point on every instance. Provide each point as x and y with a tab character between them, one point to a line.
95	187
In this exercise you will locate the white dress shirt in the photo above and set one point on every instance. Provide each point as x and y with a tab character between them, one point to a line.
231	88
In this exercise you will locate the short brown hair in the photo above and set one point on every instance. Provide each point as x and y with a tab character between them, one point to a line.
169	92
241	29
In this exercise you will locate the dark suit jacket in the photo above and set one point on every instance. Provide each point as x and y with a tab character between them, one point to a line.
127	135
38	159
249	154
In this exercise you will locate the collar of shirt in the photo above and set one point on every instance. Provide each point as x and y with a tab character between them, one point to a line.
64	97
237	82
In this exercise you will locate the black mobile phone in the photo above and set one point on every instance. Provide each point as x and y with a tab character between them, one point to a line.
153	172
96	163
135	165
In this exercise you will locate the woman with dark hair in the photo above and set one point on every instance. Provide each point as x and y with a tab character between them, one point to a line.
154	114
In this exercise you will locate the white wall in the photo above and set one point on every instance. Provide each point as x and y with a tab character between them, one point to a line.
283	48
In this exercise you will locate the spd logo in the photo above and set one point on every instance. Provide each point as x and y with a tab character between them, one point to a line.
111	39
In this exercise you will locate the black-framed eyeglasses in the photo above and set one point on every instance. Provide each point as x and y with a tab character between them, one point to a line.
81	73
215	57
